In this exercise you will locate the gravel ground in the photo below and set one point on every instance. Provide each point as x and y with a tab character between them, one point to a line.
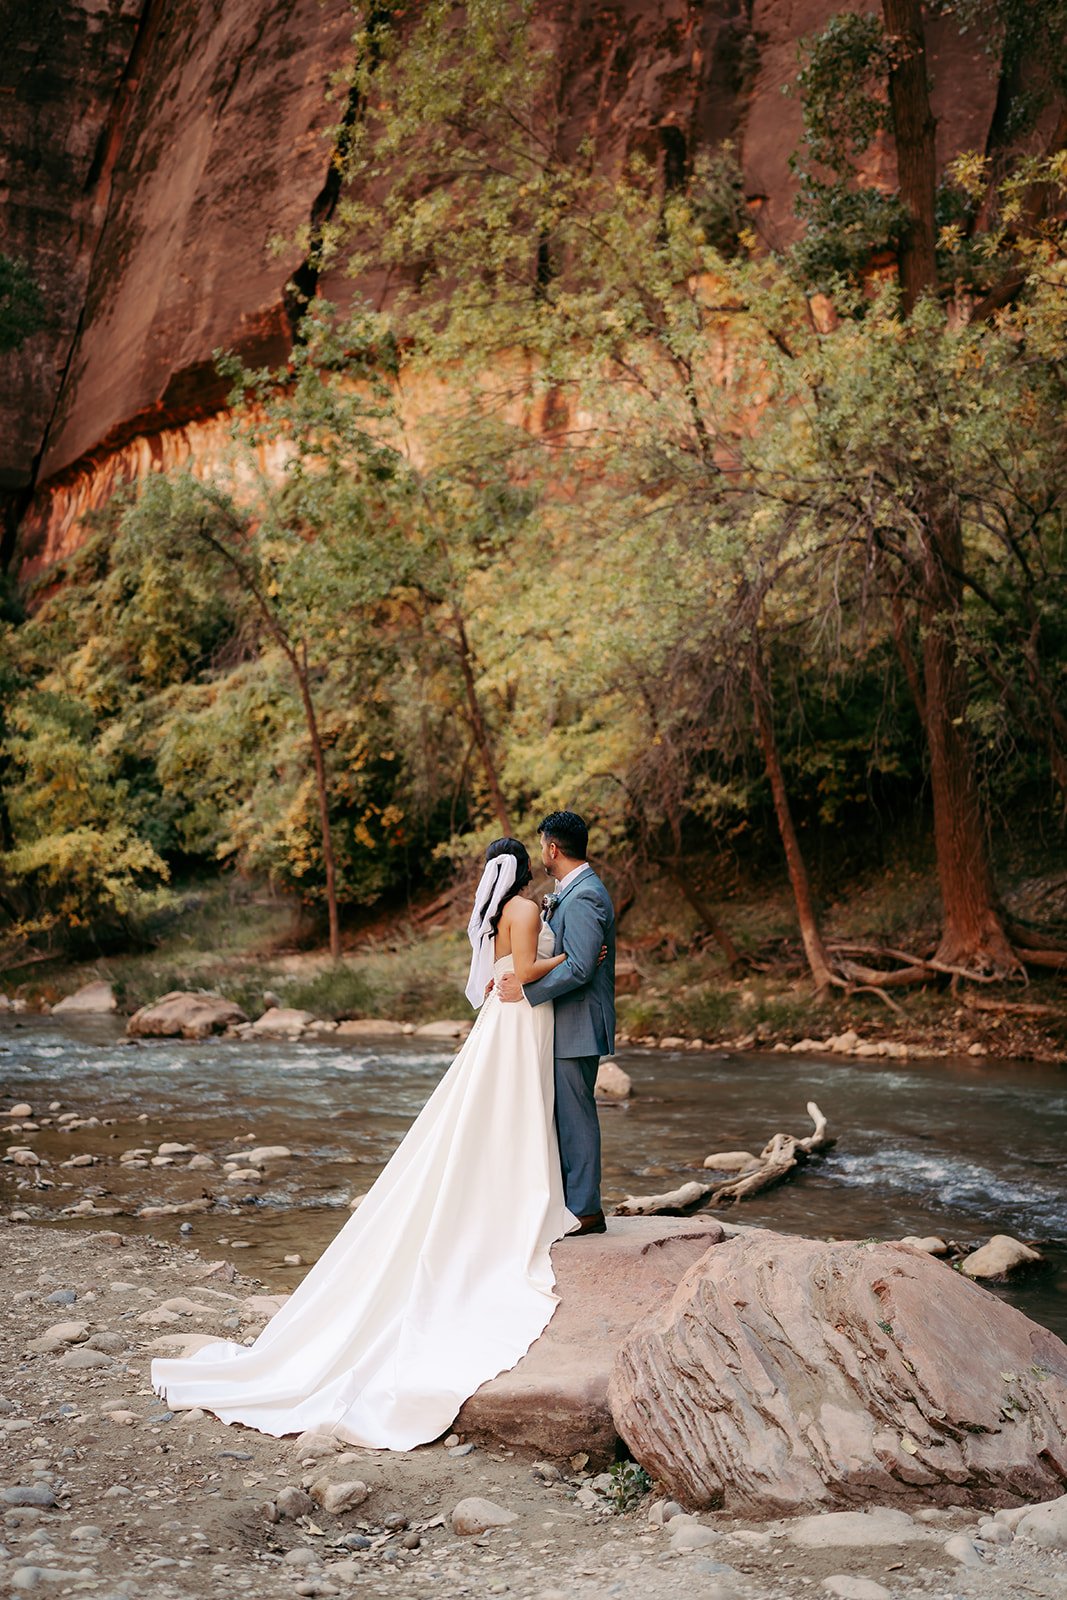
103	1491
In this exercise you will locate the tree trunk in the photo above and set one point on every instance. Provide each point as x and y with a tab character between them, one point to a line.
478	728
706	915
814	948
914	127
973	933
299	664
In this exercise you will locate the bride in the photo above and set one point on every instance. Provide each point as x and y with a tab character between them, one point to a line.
443	1277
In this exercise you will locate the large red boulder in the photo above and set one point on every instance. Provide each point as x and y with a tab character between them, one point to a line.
789	1373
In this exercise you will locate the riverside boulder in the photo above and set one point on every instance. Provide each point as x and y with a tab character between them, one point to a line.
787	1374
185	1014
555	1400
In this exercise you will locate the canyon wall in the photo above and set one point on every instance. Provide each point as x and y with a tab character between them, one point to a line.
155	148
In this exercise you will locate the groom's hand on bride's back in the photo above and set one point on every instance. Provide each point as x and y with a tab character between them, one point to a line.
508	986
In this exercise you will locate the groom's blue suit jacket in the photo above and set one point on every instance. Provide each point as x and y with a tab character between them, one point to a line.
584	993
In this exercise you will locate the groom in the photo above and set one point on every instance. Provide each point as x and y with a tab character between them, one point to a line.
582	919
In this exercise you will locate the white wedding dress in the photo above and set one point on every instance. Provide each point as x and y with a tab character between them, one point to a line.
440	1280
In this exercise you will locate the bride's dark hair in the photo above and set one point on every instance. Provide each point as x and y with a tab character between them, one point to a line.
523	872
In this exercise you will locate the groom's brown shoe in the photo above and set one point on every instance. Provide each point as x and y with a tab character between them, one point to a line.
591	1224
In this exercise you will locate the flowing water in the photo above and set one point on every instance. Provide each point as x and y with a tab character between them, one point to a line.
961	1148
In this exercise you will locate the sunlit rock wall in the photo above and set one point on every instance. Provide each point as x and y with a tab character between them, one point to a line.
159	146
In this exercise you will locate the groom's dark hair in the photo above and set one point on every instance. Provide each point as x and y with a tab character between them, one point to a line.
566	829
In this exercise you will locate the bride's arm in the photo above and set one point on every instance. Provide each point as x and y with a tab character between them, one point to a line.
525	923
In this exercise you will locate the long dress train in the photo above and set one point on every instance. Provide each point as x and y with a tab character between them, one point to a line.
440	1280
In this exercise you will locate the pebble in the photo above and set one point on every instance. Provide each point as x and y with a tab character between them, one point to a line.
81	1360
335	1498
301	1556
33	1494
846	1587
994	1533
689	1533
1045	1524
882	1525
962	1549
61	1297
475	1515
67	1332
34	1577
356	1541
461	1450
293	1502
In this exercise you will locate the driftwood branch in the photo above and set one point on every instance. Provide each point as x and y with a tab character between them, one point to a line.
776	1161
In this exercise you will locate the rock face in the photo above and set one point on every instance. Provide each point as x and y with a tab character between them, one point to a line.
556	1399
94	997
787	1374
185	1014
155	150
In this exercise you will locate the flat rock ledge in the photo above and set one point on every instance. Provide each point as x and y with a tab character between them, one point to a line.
555	1401
787	1374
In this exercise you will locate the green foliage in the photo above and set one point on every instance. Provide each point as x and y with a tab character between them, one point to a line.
843	228
548	529
338	992
840	86
22	307
629	1485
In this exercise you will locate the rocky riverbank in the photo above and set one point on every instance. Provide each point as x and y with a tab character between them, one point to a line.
104	1492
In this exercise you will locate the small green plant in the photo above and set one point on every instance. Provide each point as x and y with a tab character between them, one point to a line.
629	1485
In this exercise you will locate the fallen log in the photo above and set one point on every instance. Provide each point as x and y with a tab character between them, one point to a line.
778	1158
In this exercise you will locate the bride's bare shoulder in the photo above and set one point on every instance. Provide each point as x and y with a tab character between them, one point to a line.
520	912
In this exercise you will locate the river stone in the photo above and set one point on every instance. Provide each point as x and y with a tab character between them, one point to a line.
788	1373
335	1498
689	1533
963	1550
367	1028
96	997
189	1014
555	1400
268	1152
612	1083
181	1345
857	1530
68	1332
34	1577
1046	1524
846	1587
29	1494
282	1022
443	1030
932	1244
475	1515
1002	1256
315	1444
82	1359
293	1502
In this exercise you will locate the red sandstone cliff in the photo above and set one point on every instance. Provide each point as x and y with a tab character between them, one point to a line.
154	147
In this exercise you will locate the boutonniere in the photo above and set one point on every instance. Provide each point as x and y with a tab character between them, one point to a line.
549	904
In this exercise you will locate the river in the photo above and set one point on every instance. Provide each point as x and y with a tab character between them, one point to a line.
962	1148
